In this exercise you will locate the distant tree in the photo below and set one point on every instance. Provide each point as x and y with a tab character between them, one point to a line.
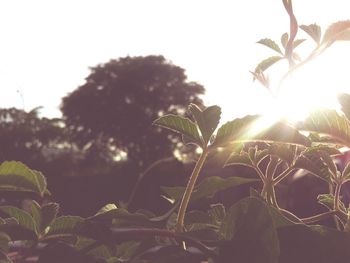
29	138
120	99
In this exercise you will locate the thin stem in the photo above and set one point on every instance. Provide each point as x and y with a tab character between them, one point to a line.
337	196
337	203
319	217
142	175
188	191
283	175
260	173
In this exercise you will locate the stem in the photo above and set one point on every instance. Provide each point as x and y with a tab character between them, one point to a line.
319	217
260	173
188	191
283	175
337	196
142	175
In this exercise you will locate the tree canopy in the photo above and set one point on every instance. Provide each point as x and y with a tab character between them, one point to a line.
121	98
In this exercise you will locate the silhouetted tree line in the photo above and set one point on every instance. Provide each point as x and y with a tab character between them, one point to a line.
98	151
105	138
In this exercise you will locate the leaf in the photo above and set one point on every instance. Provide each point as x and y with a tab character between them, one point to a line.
15	176
346	172
284	40
297	42
337	31
4	242
328	122
296	56
111	215
344	100
325	148
23	218
313	163
328	201
206	120
266	63
271	44
313	244
247	129
240	159
314	31
64	225
43	216
250	233
208	187
284	151
181	125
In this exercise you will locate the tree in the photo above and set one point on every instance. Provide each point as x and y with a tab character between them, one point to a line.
120	99
28	138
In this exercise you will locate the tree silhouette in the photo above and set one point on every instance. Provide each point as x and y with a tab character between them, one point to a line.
28	138
116	106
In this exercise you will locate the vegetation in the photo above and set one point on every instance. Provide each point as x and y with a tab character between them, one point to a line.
256	228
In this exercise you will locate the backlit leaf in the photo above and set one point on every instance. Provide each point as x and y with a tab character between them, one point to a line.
328	122
206	120
337	31
15	176
284	40
297	42
271	44
266	63
314	31
247	129
181	125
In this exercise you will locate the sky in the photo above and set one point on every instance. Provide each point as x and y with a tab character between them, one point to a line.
47	47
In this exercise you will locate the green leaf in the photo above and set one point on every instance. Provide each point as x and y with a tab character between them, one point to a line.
251	128
284	40
271	44
206	120
337	31
43	216
325	148
297	42
328	122
314	31
208	187
328	201
23	218
15	176
239	159
250	233
313	163
4	242
266	63
181	125
284	151
112	215
64	225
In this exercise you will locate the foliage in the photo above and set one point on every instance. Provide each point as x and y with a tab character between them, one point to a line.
253	229
121	98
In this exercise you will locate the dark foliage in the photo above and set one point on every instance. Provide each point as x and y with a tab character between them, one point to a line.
120	100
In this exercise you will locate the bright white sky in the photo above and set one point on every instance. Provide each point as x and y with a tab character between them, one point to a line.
47	46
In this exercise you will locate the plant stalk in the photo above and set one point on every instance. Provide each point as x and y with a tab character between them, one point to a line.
188	191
